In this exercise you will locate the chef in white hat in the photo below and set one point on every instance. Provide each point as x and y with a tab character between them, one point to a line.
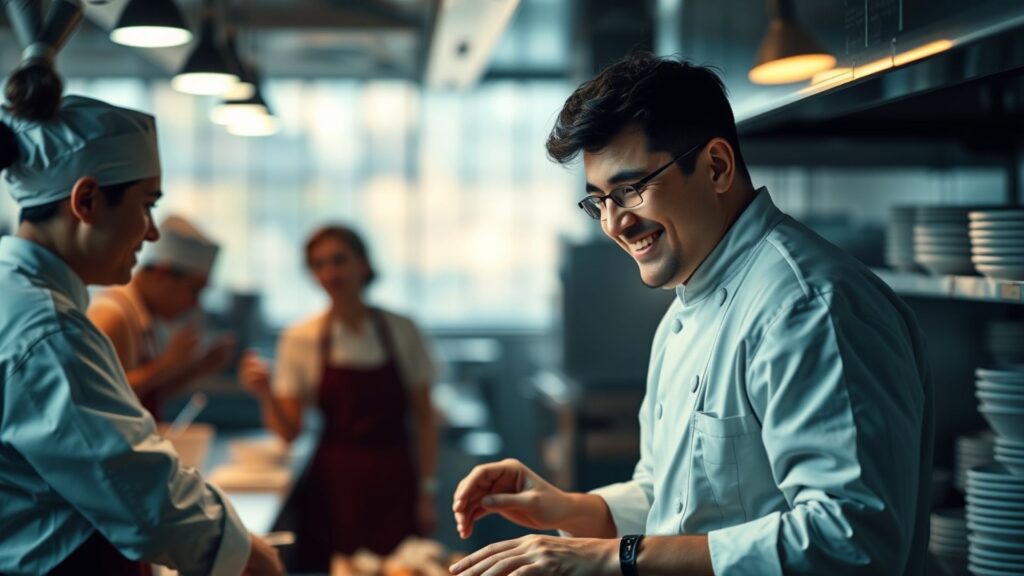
86	484
164	290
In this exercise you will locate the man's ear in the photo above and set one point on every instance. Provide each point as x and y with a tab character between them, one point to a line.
86	199
722	164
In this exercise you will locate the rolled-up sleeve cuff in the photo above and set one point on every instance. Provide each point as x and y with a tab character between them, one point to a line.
233	552
747	549
628	505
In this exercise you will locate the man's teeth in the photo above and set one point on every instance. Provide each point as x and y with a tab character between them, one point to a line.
643	243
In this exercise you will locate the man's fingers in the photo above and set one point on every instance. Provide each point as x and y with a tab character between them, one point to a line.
483	553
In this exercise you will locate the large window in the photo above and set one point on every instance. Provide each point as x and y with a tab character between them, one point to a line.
461	208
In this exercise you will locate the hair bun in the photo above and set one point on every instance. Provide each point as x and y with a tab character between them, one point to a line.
34	90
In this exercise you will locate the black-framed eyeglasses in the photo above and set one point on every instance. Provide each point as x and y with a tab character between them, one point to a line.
627	195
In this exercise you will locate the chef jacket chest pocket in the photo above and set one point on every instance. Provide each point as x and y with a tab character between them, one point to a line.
730	455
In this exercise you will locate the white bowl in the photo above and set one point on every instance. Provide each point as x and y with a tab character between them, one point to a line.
1007	444
1014	463
979	570
1006	421
996	235
993	543
1016	250
1000	376
997	225
998	555
998	260
989	530
1000	399
998	387
193	444
1009	214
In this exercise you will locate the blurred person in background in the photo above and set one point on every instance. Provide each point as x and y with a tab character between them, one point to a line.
86	484
164	292
787	423
371	481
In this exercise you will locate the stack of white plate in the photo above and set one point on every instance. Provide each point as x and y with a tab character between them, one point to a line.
1010	454
899	239
948	540
1005	342
941	242
1002	401
995	519
971	450
997	243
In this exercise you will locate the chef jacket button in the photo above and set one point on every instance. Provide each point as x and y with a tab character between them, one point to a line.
660	411
723	295
696	383
677	326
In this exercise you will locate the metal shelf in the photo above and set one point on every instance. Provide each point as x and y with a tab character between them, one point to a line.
976	288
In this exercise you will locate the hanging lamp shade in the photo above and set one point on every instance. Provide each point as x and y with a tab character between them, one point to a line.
151	24
788	52
238	111
247	81
207	71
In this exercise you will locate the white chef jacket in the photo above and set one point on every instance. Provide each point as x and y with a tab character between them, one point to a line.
78	453
788	412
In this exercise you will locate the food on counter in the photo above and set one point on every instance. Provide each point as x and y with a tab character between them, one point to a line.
413	557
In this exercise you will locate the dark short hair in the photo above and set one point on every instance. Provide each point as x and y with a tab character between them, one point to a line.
343	234
677	104
114	193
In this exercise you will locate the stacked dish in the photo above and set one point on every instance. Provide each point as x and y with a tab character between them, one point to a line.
995	519
997	243
1005	342
1001	393
941	242
948	541
899	239
971	450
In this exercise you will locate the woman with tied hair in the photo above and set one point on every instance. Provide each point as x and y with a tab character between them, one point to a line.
368	371
86	484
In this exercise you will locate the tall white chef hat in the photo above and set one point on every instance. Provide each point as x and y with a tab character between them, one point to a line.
181	246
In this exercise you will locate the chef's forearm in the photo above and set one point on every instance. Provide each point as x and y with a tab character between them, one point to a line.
154	376
277	418
672	555
587	516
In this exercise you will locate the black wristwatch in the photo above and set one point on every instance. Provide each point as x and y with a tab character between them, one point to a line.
629	549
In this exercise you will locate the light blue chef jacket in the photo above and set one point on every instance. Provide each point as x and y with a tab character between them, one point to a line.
788	412
78	453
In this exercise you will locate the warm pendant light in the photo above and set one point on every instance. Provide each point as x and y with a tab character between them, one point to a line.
207	71
246	86
151	24
237	111
255	126
788	52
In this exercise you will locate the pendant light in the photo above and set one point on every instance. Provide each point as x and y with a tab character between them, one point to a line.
246	86
788	52
207	71
151	24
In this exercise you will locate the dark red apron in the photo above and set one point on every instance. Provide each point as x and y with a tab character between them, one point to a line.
360	489
98	556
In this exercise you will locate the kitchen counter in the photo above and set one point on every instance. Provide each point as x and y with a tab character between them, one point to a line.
258	509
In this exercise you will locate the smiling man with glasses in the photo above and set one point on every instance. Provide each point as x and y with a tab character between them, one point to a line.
787	424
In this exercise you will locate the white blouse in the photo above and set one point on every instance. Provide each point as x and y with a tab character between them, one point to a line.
299	364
